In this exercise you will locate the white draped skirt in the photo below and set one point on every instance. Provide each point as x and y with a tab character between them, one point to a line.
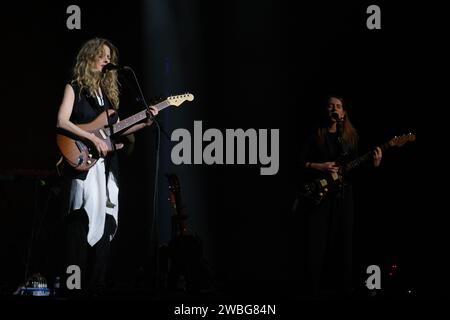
98	198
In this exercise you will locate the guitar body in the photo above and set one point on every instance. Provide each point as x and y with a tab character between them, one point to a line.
81	154
317	190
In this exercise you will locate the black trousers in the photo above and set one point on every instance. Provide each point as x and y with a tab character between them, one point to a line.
322	241
92	261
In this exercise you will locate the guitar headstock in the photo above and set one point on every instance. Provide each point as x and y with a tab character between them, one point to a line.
179	99
401	140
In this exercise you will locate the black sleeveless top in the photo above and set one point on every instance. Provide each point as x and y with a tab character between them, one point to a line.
85	109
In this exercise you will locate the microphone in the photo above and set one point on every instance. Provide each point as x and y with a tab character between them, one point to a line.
112	66
335	116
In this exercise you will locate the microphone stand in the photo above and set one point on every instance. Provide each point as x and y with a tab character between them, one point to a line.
339	129
153	229
141	99
342	156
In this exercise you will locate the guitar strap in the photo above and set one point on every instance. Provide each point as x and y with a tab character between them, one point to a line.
106	106
110	122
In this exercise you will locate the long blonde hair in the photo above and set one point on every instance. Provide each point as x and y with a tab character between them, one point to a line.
349	133
90	80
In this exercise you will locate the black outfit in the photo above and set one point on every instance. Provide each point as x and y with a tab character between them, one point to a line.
323	233
93	261
85	109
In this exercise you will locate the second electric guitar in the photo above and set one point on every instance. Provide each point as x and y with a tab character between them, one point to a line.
317	190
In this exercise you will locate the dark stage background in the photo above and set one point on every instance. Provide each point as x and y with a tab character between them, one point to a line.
255	65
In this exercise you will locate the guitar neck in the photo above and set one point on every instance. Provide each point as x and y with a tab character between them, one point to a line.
364	158
132	120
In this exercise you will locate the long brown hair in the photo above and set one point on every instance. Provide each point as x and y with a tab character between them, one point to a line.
349	133
90	80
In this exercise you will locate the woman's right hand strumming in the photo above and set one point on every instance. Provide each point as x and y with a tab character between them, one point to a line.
327	167
100	145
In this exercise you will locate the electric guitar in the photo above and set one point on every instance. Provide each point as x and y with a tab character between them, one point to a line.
82	154
317	190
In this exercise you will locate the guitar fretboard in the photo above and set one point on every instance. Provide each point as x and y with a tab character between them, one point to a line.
132	120
365	157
